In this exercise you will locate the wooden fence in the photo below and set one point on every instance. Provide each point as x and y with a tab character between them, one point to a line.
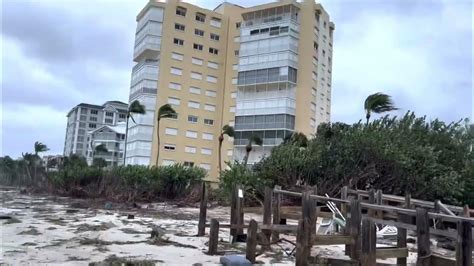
362	211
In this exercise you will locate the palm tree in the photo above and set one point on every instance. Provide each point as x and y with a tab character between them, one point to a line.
296	138
378	103
39	147
100	148
135	108
253	139
226	130
165	111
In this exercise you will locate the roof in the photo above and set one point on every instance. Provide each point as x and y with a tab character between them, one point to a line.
120	128
100	107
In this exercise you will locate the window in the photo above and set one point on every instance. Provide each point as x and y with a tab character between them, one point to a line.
195	105
197	46
188	164
176	71
233	95
216	22
177	56
170	147
205	166
94	112
208	122
200	17
213	51
110	114
83	111
313	106
173	116
211	93
179	27
173	101
212	79
210	107
109	121
197	61
192	119
235	67
232	109
189	149
178	41
207	136
181	11
198	32
191	134
214	37
312	122
213	65
175	86
171	131
313	91
324	24
196	75
92	125
93	118
206	151
236	52
237	25
194	90
230	152
234	81
232	123
167	162
122	116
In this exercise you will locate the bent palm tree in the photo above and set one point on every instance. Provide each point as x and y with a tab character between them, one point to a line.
165	111
253	139
39	147
226	130
378	103
135	108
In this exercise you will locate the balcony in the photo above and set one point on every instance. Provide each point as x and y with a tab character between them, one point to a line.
144	71
147	48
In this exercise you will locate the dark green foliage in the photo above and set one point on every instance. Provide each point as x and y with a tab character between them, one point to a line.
432	160
99	162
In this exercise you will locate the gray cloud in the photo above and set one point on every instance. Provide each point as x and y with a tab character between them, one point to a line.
59	53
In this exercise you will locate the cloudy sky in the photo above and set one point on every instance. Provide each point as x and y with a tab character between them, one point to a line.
58	53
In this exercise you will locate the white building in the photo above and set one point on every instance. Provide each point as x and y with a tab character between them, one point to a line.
113	137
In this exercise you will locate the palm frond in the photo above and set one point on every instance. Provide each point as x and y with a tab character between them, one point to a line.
228	130
136	107
166	111
379	103
40	147
101	148
256	140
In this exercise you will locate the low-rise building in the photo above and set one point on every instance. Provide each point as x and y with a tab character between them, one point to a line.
113	140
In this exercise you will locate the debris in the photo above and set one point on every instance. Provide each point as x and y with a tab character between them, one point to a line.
234	260
29	244
157	232
131	216
32	232
114	260
108	205
12	220
72	210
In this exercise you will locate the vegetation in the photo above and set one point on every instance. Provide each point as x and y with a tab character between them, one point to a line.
226	130
135	108
165	111
378	103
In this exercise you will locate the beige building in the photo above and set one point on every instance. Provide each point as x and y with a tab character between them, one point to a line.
266	70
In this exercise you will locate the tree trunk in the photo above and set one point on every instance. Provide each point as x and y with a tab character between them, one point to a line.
220	155
367	116
125	142
158	141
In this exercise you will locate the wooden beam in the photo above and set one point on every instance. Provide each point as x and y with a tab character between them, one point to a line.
379	201
276	213
302	243
438	260
267	210
423	240
371	212
354	229
251	247
439	205
369	242
389	252
344	197
202	210
464	244
213	237
321	240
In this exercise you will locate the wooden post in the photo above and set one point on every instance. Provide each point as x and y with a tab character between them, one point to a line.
466	211
369	241
344	197
233	213
401	232
378	201
267	210
213	237
464	244
302	243
354	229
308	206
423	240
251	248
313	214
371	212
202	211
276	213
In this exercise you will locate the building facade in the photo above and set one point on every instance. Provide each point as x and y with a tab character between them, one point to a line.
87	117
112	138
265	70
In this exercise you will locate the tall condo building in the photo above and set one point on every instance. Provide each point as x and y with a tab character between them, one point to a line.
265	70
